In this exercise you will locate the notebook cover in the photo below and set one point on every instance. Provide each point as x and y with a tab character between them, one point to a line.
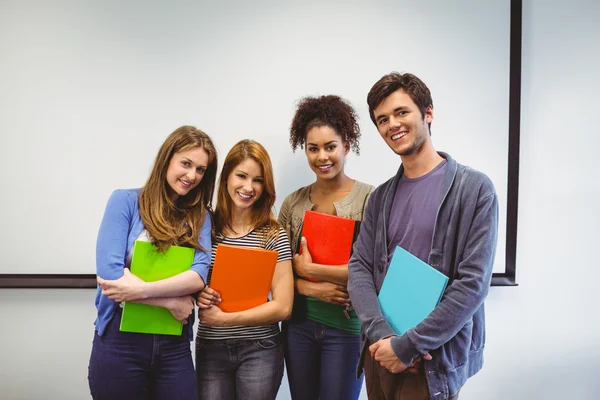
410	291
150	265
329	238
242	276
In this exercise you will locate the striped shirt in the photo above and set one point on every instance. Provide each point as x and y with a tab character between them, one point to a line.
253	240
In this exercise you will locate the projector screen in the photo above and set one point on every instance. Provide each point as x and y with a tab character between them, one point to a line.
90	90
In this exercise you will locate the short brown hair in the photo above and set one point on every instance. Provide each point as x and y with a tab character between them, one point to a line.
408	83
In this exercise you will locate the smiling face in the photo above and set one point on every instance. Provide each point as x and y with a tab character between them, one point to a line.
325	151
245	184
186	170
400	123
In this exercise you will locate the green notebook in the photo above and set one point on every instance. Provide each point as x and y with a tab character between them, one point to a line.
150	265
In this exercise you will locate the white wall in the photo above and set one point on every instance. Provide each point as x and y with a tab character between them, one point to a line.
542	335
91	89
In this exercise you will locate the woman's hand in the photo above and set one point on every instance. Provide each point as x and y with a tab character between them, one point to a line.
181	308
213	316
302	262
127	288
207	298
330	293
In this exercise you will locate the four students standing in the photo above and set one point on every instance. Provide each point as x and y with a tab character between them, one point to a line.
439	210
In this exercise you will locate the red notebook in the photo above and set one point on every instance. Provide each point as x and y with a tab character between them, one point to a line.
329	237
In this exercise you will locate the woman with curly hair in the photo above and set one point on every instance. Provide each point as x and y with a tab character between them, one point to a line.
321	339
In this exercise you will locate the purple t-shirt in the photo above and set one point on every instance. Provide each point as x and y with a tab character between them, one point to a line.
413	213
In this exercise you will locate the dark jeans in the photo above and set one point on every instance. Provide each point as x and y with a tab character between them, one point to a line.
321	361
132	366
231	369
383	385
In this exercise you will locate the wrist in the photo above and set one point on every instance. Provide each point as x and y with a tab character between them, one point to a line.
404	349
228	319
308	288
310	270
170	303
144	291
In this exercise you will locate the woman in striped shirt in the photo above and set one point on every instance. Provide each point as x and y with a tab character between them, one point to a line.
239	354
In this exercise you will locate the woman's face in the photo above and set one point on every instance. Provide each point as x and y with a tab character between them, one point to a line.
245	184
185	171
325	151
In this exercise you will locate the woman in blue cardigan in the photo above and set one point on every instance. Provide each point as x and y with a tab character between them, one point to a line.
173	208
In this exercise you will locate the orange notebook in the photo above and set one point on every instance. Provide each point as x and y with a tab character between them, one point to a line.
329	238
242	276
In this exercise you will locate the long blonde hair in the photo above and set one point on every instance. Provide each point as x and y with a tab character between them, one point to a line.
261	215
169	223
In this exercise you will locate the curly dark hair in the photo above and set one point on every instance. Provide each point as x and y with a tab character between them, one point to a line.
332	111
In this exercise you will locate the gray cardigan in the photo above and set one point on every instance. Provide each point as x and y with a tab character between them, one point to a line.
463	248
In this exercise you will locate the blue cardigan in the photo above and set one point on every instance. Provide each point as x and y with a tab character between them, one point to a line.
463	248
120	227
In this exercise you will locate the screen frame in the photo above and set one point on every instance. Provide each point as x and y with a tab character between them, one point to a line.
506	278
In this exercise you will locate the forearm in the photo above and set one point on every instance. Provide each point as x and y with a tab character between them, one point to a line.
185	283
164	302
365	302
337	274
304	287
442	324
268	313
361	281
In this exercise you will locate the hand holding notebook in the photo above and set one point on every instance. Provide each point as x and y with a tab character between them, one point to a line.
207	298
126	288
242	276
329	238
150	265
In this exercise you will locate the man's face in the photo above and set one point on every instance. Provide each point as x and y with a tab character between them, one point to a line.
400	123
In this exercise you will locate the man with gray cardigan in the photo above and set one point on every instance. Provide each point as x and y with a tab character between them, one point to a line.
447	215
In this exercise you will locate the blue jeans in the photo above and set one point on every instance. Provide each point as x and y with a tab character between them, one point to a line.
138	366
321	361
231	369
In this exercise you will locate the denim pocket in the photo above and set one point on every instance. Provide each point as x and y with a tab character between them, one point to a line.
269	343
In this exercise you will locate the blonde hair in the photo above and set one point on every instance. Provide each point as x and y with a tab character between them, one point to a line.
261	215
169	223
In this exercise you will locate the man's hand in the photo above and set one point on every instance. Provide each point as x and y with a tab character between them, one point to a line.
127	288
382	352
302	261
415	366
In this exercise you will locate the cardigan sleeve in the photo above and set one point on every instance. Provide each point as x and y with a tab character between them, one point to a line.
111	245
202	258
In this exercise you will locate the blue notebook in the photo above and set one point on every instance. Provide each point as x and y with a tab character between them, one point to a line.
410	291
